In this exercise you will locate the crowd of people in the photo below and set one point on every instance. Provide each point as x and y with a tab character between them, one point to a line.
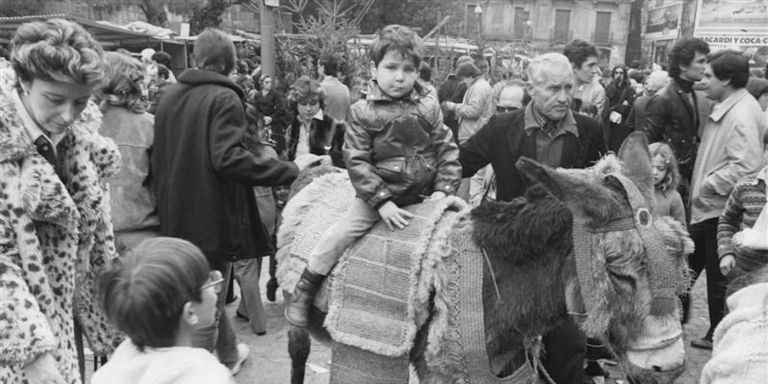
130	197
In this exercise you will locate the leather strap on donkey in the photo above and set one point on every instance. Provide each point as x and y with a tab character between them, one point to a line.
661	268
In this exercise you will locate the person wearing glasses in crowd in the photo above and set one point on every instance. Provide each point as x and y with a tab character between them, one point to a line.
55	231
159	294
511	98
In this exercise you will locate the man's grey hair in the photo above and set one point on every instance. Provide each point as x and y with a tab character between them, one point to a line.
540	64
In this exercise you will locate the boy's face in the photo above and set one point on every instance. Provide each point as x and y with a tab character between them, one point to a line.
395	74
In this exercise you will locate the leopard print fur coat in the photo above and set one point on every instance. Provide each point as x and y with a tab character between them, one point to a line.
55	235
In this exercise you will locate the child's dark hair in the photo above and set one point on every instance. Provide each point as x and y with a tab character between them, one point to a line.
143	293
672	179
162	71
330	64
397	38
578	51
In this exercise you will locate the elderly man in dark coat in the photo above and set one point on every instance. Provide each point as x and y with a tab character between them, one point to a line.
204	175
546	130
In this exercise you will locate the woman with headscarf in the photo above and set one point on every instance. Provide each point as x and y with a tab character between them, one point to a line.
620	95
55	230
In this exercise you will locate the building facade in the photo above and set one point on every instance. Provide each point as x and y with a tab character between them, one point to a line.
539	26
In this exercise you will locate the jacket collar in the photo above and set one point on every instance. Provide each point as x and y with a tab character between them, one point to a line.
199	77
376	94
15	142
533	120
721	108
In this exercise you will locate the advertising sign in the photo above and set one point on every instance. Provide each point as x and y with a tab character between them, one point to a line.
663	22
740	24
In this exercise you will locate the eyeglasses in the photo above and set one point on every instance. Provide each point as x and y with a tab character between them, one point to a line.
506	109
215	281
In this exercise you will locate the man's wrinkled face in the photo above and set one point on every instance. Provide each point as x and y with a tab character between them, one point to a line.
551	92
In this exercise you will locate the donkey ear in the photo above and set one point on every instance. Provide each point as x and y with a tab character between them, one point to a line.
590	201
636	157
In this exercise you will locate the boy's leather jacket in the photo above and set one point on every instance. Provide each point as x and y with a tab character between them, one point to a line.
399	150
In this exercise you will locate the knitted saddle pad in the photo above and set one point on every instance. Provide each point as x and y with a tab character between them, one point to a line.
370	296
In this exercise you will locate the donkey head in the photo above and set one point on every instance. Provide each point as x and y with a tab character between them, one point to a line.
628	266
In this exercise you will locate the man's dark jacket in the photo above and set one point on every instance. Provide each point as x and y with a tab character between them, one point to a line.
671	118
503	141
203	173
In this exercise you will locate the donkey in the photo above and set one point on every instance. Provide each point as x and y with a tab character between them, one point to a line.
579	243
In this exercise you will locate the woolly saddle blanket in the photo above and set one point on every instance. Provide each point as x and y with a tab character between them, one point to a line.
376	297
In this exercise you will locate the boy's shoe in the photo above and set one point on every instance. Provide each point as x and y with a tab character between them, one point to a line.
702	344
297	307
242	355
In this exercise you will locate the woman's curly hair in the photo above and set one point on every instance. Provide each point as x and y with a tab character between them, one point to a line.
304	90
123	84
56	50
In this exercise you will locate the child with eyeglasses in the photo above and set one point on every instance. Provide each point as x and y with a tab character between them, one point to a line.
158	295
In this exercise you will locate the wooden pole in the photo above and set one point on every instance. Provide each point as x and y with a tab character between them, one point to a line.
267	21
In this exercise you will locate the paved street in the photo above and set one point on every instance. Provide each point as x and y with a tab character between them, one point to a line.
270	364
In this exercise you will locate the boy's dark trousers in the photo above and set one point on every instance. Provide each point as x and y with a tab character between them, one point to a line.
704	236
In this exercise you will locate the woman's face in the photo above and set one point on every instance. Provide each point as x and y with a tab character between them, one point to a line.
53	104
618	74
267	84
308	108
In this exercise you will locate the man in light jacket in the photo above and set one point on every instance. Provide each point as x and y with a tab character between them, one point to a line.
473	113
730	149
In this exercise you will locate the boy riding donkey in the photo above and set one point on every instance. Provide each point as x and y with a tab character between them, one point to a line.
397	152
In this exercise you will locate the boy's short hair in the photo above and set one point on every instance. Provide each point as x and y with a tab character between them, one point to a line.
397	38
730	65
578	51
162	57
163	71
683	53
144	292
215	52
330	64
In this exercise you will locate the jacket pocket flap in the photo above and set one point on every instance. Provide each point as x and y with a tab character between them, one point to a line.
393	164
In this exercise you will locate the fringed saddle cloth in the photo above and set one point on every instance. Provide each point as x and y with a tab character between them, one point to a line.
377	297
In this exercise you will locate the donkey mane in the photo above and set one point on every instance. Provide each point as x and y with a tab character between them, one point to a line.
527	241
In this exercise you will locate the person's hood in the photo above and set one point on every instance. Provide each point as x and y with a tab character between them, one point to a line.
199	77
162	366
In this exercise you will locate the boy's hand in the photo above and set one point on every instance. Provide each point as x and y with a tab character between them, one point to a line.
394	216
437	195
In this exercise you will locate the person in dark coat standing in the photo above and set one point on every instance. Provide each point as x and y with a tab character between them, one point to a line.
545	130
204	175
619	96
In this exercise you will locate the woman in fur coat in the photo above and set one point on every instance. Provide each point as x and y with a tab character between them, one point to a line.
55	231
